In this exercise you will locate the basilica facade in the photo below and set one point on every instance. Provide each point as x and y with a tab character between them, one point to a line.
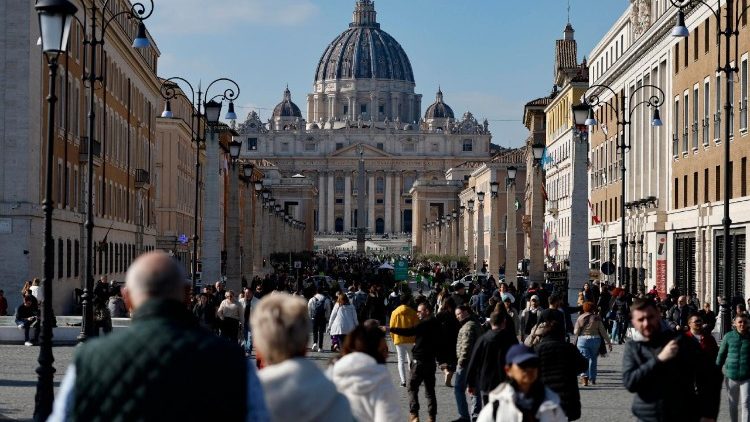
363	106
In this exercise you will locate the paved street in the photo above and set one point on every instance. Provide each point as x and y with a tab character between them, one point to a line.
607	401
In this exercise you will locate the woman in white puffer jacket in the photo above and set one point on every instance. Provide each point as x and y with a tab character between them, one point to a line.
361	375
342	321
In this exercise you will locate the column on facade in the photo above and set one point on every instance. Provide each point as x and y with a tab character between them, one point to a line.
511	244
232	231
247	231
494	259
331	215
456	236
257	244
449	238
211	242
371	203
470	245
388	202
394	106
536	246
411	108
348	202
373	105
322	202
397	204
480	237
350	102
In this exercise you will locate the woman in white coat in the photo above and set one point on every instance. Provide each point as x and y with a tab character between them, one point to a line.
361	375
342	321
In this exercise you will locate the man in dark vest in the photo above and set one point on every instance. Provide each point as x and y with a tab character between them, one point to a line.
151	370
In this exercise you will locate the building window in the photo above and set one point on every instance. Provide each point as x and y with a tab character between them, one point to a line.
717	115
380	146
706	110
379	185
468	145
435	147
695	117
717	184
743	177
684	191
695	188
379	201
706	33
309	146
676	193
730	98
339	200
68	255
339	185
676	136
59	258
743	95
705	186
363	108
677	58
409	147
339	145
252	144
285	147
685	116
346	109
696	37
381	109
76	258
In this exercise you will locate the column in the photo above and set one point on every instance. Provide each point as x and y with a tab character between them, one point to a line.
371	203
321	202
449	238
397	205
331	215
388	202
470	236
348	201
480	237
536	233
258	246
247	232
232	233
211	242
511	244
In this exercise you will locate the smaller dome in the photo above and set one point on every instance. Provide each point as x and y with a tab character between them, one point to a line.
438	109
286	108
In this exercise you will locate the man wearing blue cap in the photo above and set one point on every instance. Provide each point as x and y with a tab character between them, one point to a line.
523	396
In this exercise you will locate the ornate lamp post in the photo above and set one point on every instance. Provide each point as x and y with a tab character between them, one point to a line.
94	40
203	113
733	13
55	17
624	116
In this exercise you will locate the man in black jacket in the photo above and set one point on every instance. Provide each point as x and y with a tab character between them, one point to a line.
665	371
486	366
423	363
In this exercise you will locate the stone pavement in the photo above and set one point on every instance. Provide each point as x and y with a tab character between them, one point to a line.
607	401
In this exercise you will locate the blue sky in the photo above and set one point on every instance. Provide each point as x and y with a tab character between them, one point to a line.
489	56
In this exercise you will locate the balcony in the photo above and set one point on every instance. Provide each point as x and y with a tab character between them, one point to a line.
83	151
142	179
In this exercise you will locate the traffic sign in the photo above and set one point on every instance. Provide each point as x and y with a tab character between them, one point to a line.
401	270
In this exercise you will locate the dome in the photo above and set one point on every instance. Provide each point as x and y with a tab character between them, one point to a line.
286	108
438	109
364	51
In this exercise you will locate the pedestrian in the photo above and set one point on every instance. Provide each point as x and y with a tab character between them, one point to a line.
205	313
102	317
403	317
319	309
361	375
704	338
115	303
678	315
514	317
708	316
27	317
664	370
620	315
3	303
446	345
485	370
734	358
230	315
560	364
590	333
530	316
342	321
468	335
249	302
524	397
427	332
148	370
460	297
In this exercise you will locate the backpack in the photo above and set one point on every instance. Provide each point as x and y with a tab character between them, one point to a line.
319	309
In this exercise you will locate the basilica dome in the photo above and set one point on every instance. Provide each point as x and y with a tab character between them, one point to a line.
364	51
439	109
286	108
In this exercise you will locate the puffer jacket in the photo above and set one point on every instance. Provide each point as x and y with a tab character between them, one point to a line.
734	356
684	388
561	362
468	334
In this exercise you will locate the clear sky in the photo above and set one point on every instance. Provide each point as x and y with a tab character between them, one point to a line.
489	56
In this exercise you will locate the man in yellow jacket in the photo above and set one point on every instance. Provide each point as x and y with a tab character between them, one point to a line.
403	317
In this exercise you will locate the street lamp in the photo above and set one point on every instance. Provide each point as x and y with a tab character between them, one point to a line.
234	151
494	188
55	17
624	118
94	40
729	68
470	204
538	151
203	113
512	171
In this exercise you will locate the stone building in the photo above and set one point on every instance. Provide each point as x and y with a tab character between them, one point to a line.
125	148
364	100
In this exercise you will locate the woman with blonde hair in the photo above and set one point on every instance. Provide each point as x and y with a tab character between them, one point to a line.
342	321
281	329
230	314
591	333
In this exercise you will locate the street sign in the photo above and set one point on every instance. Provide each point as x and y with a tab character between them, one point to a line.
183	239
297	264
454	264
400	270
608	268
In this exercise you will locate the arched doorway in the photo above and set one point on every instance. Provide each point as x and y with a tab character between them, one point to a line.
339	225
379	226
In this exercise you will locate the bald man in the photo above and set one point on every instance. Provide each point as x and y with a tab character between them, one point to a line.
153	369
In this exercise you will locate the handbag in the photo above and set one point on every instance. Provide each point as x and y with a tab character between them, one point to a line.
602	347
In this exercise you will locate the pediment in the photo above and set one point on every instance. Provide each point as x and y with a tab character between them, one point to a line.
353	152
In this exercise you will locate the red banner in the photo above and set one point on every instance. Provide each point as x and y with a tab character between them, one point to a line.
661	264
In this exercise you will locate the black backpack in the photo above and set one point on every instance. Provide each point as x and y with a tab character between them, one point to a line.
319	310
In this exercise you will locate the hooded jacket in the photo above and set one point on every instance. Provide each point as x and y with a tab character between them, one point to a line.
368	387
300	392
403	317
506	410
343	319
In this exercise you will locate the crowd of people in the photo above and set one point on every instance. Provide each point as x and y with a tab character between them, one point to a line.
508	353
